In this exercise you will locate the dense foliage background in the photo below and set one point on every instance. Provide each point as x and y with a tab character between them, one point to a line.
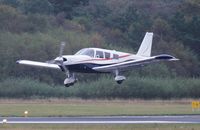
33	29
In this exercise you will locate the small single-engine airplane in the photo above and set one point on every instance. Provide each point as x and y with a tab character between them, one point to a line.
96	60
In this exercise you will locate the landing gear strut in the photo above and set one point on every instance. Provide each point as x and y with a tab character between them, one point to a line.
119	79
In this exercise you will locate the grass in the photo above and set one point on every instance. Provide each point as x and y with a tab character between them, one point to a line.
75	107
100	127
78	107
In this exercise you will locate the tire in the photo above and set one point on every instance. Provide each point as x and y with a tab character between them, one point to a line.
67	85
120	81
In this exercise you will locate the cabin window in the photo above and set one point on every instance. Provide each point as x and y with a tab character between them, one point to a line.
107	55
115	56
99	54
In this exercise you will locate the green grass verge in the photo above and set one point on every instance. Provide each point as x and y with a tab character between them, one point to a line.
62	107
100	127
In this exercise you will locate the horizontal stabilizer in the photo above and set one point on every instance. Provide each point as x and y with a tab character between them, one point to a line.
165	57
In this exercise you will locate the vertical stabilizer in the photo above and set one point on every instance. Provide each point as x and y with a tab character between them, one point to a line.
145	47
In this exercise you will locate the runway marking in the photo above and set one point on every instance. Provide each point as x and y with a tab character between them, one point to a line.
97	122
193	119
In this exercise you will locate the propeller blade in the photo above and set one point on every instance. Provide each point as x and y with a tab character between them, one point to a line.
58	60
62	45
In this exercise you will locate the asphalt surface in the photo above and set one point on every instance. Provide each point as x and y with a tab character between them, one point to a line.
103	120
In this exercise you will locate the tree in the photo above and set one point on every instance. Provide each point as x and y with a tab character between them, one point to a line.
13	3
66	6
190	7
161	27
36	6
9	18
185	24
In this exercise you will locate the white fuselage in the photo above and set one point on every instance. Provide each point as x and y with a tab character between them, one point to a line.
81	62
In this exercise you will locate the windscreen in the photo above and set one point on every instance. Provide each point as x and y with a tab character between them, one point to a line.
88	52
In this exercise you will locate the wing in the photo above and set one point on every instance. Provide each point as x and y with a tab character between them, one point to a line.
38	64
127	64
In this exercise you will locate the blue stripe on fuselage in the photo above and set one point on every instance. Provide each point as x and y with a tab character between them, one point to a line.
85	67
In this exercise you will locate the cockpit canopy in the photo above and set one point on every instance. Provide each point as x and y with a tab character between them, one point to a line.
97	53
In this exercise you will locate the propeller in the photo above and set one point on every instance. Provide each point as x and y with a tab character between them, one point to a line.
59	60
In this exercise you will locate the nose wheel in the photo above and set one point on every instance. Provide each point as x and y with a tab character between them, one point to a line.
70	80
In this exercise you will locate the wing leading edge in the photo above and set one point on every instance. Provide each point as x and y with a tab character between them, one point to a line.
38	64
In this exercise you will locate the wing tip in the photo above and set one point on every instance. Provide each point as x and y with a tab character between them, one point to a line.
18	61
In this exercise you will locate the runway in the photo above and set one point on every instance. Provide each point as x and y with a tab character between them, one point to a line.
103	120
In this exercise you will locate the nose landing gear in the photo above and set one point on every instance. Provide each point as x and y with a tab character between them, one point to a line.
70	80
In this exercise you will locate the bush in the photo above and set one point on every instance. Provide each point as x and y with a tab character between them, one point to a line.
104	88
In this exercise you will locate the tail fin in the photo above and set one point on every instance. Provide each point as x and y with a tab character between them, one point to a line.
145	47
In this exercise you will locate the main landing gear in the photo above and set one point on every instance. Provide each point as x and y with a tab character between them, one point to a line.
119	79
70	80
